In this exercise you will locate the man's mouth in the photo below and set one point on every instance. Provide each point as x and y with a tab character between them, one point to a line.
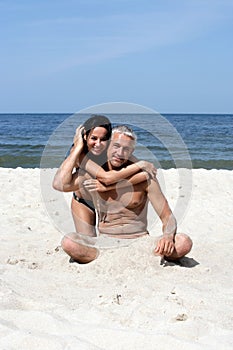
116	159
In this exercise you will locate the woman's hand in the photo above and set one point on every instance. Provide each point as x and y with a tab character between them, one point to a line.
78	139
77	147
148	167
93	185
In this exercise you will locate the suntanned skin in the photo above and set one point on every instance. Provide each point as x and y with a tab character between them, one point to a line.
67	180
123	211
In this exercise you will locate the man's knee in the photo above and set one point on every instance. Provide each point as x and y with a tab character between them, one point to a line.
72	248
67	244
78	252
184	243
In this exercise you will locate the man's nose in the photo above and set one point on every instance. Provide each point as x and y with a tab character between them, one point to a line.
120	152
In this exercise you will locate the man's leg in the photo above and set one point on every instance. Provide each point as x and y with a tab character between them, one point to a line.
183	245
77	251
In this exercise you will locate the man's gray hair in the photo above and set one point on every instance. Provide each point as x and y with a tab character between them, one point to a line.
125	130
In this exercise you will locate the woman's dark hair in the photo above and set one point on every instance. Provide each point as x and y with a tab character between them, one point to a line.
98	121
95	121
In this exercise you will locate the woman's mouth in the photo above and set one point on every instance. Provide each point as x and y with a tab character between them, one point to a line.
97	150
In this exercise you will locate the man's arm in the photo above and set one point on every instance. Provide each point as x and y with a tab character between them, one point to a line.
166	244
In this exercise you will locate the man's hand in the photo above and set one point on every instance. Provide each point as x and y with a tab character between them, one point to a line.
165	245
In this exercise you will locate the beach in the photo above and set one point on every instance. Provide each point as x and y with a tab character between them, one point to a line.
127	298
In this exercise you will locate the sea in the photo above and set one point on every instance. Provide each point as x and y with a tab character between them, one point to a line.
169	140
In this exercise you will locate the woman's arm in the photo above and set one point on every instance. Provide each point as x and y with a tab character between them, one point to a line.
113	176
65	179
95	185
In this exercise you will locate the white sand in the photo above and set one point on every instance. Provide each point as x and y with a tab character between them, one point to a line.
126	299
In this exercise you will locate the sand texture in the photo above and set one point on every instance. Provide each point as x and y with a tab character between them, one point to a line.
128	298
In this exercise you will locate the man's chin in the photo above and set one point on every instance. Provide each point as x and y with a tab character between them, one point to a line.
117	163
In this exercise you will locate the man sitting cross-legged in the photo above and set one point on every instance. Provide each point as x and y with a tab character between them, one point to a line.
123	211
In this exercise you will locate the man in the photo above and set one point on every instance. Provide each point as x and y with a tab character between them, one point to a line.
123	211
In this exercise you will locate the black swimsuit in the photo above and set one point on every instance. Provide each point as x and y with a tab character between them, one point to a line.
87	203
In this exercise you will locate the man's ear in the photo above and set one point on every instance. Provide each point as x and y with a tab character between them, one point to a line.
131	153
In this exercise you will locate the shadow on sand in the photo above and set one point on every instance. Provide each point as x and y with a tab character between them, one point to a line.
183	262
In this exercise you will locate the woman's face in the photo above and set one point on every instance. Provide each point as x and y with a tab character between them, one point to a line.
97	141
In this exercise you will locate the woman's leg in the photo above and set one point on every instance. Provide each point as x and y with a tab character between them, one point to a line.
183	245
84	218
73	243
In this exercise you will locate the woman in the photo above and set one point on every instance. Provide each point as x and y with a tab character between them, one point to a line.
88	154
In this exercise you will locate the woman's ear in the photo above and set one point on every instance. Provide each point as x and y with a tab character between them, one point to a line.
84	135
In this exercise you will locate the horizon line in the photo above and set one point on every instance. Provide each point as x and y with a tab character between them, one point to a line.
167	113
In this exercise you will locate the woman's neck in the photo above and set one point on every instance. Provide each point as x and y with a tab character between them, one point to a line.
100	160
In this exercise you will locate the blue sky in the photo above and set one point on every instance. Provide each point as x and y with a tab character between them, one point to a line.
174	56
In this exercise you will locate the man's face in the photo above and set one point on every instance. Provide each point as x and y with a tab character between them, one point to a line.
120	149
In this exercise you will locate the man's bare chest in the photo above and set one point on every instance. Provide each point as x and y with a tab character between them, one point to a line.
129	197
